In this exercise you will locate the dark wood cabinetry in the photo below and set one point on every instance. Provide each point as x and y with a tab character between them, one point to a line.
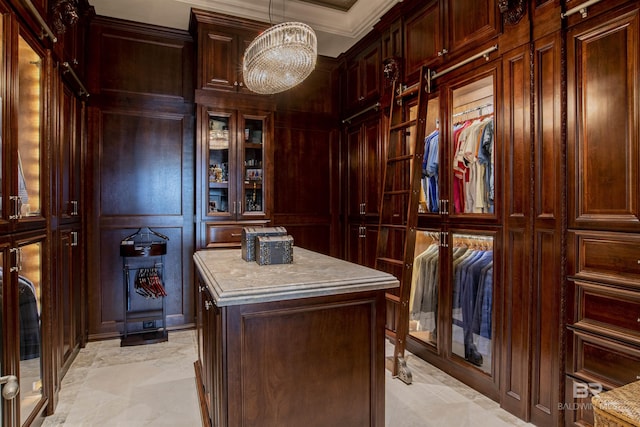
364	75
140	164
221	42
446	30
365	163
603	158
234	157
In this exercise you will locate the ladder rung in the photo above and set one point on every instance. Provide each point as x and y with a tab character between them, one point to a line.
403	125
400	158
393	226
392	297
391	261
409	91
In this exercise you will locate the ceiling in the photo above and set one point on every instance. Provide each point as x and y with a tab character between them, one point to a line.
338	24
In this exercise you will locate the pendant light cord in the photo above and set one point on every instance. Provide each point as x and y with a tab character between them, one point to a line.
271	17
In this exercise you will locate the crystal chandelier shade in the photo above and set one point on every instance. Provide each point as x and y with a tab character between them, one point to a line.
280	58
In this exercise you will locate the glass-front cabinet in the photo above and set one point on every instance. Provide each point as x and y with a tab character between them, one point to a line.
235	173
23	291
236	165
23	233
452	306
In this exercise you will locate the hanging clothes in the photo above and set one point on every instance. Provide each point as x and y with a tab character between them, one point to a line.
29	319
430	163
473	166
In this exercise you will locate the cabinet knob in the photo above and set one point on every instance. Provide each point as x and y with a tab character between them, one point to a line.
235	83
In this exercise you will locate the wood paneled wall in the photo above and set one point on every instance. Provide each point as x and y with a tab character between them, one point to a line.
141	162
307	168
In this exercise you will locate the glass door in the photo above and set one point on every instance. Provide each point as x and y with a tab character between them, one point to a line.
425	287
28	201
220	157
430	184
29	256
252	173
473	172
472	299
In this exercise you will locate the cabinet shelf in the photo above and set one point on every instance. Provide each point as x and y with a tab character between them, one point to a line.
224	184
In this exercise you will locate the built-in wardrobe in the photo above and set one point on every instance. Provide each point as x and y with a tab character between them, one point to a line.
42	287
525	275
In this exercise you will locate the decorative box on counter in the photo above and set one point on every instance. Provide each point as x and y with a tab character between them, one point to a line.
249	235
274	250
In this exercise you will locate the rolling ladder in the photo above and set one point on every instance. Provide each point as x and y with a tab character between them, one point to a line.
399	204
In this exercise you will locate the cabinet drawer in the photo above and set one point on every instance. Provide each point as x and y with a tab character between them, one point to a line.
612	257
597	359
611	311
223	235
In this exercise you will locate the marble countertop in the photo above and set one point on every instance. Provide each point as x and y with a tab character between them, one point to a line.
234	281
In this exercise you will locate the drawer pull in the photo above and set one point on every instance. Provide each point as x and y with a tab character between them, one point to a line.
236	234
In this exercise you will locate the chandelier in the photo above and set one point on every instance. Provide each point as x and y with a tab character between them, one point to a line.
280	58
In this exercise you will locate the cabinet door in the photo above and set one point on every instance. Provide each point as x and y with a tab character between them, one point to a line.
353	97
362	244
425	288
221	167
27	192
30	287
370	72
423	39
472	289
252	194
69	156
354	166
219	56
372	166
473	159
603	142
69	292
469	23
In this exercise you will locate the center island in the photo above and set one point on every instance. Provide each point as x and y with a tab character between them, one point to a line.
298	344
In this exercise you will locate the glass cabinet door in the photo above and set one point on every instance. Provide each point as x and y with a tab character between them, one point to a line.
425	284
252	198
430	183
28	258
472	298
28	198
219	197
472	155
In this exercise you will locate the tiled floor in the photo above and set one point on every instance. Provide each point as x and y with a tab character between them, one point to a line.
154	385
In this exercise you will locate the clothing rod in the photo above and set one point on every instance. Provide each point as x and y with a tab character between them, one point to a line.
581	8
83	90
471	110
485	53
472	236
369	108
41	21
